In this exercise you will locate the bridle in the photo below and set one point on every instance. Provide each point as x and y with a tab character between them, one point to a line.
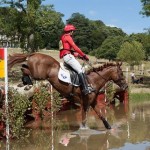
119	75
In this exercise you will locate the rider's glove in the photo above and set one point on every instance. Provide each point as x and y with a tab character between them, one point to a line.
86	57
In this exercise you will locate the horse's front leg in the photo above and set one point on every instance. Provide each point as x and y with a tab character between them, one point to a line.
97	110
84	111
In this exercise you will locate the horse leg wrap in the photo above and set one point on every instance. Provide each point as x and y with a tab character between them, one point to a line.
106	124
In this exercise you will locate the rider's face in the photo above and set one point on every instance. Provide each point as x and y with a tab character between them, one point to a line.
71	32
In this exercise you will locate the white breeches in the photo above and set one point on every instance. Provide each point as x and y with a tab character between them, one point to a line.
71	61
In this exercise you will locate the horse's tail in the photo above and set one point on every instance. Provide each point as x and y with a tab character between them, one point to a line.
16	58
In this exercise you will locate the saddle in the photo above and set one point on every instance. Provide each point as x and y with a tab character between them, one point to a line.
68	74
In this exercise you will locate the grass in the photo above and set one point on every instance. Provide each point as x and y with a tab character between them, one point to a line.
135	97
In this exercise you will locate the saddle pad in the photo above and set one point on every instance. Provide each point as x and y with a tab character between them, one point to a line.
68	76
64	76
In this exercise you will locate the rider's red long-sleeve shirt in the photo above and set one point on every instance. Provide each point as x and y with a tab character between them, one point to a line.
67	44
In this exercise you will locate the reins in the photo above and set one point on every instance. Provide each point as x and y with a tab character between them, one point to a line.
97	73
94	69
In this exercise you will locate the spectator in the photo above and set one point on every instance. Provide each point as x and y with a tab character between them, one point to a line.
136	80
133	77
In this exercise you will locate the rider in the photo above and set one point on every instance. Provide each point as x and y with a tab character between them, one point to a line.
68	51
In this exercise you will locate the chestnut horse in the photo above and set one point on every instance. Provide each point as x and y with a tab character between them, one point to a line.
44	67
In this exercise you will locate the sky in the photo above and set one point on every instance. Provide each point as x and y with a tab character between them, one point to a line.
122	14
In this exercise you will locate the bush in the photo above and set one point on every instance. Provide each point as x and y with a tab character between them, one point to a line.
18	105
42	97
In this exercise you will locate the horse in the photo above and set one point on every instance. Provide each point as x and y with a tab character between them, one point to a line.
45	67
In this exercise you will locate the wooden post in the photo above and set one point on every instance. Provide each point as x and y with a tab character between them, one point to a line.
105	92
127	74
52	117
142	69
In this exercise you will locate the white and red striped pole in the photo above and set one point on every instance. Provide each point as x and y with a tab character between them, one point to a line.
6	97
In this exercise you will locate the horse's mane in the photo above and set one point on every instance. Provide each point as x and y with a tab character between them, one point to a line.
100	68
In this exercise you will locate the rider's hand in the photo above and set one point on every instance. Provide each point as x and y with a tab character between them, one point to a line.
86	57
76	54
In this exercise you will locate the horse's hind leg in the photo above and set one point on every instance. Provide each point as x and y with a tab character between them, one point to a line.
97	110
26	80
26	75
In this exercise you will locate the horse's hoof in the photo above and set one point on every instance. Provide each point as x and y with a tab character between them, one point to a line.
78	104
48	85
28	87
109	128
20	85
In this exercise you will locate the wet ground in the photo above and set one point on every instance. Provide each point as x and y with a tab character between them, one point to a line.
130	131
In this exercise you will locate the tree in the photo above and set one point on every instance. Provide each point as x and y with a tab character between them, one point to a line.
98	33
36	27
9	22
83	33
144	39
91	34
131	52
110	47
114	31
50	25
145	8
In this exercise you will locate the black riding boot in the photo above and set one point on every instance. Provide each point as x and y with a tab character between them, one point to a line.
86	88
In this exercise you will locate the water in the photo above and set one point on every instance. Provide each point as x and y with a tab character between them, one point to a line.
131	125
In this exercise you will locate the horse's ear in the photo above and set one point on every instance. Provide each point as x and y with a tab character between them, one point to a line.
118	62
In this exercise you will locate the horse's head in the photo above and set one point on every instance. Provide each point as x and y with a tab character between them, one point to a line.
118	77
